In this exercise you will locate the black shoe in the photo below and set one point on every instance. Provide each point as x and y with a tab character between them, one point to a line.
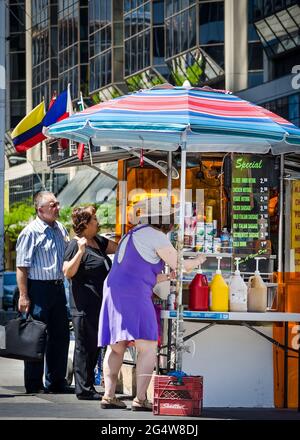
35	391
92	396
63	390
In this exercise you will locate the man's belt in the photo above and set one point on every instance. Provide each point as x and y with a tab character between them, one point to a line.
55	282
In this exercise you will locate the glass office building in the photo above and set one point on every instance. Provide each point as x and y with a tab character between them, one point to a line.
275	54
59	48
144	44
16	75
44	50
73	47
16	55
106	49
278	26
195	41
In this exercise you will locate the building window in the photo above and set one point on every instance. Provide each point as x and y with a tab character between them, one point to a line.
288	107
101	43
255	48
137	47
195	40
43	26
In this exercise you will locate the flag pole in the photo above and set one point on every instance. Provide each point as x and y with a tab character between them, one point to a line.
90	152
81	101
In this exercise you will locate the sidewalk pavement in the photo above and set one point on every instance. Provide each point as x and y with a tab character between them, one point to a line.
15	404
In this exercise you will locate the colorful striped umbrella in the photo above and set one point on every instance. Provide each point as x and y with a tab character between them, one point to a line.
164	117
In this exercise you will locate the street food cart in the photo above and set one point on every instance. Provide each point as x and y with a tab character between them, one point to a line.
221	133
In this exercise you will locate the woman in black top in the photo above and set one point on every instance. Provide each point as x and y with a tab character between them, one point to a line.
86	265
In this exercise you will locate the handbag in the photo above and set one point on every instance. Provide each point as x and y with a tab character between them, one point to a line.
162	289
24	339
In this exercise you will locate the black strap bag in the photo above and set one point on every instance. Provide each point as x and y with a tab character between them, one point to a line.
24	339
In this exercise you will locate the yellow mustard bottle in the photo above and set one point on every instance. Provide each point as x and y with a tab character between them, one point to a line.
219	292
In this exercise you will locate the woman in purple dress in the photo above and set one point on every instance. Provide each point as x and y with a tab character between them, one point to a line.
127	312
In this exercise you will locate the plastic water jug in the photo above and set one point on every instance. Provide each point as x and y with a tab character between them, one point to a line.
199	292
238	291
219	292
257	291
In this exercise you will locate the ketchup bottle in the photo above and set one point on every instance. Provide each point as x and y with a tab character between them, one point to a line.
199	292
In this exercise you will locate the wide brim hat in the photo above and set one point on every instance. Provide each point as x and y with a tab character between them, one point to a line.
154	207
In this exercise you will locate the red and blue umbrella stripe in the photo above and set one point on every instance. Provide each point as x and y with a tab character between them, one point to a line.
170	110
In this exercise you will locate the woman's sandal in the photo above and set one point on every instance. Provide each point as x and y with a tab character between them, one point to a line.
112	403
141	405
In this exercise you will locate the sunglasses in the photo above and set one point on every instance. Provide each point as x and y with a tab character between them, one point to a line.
53	205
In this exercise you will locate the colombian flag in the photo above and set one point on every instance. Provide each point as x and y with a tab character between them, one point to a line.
29	131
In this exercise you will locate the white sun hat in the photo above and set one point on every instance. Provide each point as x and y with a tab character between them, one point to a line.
154	207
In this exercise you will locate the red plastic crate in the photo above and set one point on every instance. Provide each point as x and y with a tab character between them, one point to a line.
174	399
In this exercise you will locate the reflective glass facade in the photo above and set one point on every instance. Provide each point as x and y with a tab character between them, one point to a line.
279	29
106	49
195	40
144	44
16	68
137	22
24	188
73	46
288	107
277	24
16	75
44	50
255	48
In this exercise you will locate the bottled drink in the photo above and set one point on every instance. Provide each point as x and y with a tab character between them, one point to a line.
225	240
171	301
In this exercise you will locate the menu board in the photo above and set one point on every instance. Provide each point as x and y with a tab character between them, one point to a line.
250	189
295	227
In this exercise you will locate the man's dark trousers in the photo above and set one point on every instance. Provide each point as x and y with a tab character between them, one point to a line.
48	304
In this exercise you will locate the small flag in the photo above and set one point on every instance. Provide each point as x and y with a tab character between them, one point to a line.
29	132
60	108
81	103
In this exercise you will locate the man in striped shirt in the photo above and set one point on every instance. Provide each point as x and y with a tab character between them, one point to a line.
40	255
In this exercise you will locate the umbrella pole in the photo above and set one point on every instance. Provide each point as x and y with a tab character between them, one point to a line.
179	320
169	176
280	226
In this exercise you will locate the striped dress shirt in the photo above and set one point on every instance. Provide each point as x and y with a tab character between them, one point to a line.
41	249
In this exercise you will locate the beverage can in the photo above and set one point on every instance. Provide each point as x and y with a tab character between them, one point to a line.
171	301
200	229
209	230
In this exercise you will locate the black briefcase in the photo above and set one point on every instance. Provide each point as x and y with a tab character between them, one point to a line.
24	339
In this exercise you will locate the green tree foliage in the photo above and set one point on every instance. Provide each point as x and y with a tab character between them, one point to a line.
106	214
65	217
19	215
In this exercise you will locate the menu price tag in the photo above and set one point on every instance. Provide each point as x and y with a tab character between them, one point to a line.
250	188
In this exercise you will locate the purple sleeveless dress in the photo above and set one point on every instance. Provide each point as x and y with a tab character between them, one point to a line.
127	311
